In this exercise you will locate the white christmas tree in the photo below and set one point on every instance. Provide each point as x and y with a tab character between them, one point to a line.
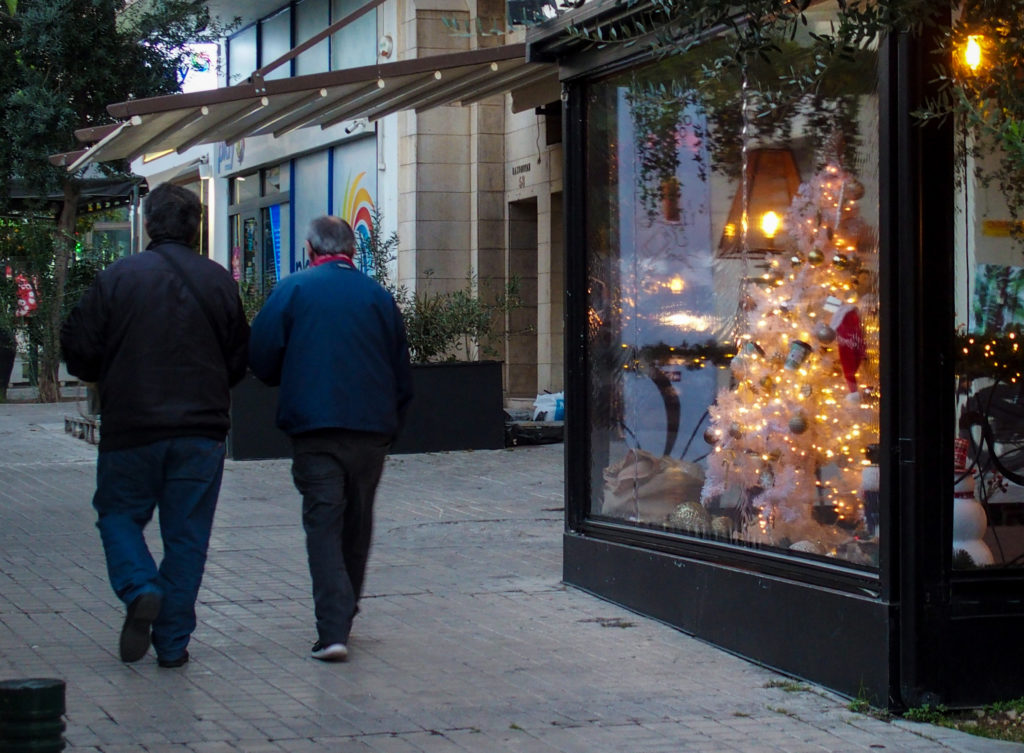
791	432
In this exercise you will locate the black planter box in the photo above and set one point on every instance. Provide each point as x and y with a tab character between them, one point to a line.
254	434
457	406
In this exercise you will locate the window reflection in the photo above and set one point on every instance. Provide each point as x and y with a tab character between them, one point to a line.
988	469
733	307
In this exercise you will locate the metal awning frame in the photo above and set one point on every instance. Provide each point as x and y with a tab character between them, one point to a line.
177	122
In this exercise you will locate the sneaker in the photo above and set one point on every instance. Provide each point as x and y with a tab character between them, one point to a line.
332	652
135	636
174	663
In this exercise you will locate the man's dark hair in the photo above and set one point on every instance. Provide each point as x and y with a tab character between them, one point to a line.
331	235
172	213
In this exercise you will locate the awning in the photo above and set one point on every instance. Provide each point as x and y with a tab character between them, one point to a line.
180	121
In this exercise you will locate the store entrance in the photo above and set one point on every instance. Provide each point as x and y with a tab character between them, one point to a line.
256	247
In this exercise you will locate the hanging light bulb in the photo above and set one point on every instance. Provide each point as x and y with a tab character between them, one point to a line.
770	223
972	52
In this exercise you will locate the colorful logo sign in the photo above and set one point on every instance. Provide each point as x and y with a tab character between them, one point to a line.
357	210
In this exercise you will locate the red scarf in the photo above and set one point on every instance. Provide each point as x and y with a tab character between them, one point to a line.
318	260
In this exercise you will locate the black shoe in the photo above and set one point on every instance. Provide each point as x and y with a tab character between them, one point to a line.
332	652
174	663
135	633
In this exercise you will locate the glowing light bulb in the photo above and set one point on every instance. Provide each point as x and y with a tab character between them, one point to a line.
972	52
770	224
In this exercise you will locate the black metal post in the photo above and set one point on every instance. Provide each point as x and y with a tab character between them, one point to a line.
31	716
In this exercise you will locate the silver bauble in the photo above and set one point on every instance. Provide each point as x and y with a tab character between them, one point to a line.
722	526
824	333
808	546
692	517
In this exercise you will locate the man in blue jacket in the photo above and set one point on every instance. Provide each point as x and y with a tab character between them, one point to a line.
333	339
164	335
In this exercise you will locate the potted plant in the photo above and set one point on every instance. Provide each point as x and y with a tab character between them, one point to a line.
458	401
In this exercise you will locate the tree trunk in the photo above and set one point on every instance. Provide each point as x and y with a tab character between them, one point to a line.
49	381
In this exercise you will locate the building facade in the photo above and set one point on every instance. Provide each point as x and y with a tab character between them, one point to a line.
472	190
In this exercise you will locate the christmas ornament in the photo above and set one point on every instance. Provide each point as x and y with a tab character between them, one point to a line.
690	516
798	424
841	261
806	390
854	189
824	333
734	431
722	526
808	546
815	257
850	340
798	352
796	259
710	437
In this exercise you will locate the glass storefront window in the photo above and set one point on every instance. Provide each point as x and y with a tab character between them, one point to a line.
311	16
241	55
275	41
988	468
275	179
733	344
355	44
244	187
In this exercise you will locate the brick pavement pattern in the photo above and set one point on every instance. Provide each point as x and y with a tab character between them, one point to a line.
467	640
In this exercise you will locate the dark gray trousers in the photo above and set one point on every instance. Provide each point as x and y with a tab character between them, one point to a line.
337	473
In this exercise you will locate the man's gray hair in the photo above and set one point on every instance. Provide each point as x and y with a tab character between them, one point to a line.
330	235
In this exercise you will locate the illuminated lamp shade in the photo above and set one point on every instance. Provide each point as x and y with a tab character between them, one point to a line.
771	180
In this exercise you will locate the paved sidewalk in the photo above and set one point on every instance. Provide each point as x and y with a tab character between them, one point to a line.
467	640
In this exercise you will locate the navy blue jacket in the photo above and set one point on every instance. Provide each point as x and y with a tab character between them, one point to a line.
163	369
333	339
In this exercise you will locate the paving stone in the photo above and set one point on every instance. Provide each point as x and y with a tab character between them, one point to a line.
466	642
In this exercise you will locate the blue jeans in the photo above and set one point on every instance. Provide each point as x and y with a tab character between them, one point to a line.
337	473
181	476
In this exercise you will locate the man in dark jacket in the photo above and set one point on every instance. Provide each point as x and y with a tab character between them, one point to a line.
334	340
164	336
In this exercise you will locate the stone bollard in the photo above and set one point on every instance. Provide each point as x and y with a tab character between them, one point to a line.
31	714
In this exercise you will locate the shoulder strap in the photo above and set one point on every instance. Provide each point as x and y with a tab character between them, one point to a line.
195	294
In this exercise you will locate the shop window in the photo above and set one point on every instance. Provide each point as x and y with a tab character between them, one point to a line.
275	41
244	187
355	44
275	179
241	55
311	17
988	468
733	341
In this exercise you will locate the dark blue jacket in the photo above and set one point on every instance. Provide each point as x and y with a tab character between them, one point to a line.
333	339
